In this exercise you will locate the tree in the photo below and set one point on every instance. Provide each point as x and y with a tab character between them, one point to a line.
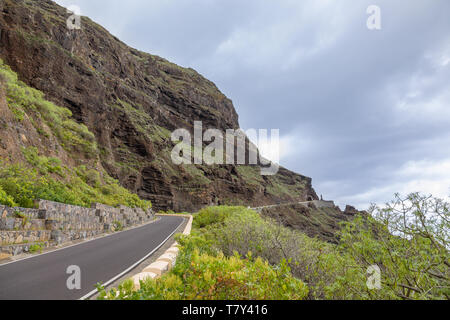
408	240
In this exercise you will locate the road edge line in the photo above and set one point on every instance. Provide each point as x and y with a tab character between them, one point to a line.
93	292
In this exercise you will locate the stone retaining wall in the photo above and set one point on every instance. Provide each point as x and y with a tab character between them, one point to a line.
56	223
7	212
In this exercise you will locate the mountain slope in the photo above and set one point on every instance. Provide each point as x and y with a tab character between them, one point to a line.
39	143
131	101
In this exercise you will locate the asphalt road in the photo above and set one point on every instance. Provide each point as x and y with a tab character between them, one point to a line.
44	277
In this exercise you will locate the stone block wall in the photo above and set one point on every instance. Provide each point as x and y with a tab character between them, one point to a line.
56	223
7	212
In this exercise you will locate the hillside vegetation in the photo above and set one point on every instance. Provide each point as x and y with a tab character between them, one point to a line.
32	176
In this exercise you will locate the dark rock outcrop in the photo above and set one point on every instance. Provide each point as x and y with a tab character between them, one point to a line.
350	211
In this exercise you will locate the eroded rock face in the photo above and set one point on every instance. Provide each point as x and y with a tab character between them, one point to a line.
132	101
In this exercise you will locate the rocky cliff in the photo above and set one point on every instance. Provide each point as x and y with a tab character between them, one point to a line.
131	101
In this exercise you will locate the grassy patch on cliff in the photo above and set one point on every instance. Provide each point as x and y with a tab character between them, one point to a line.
143	123
197	176
45	178
24	101
280	188
251	174
202	276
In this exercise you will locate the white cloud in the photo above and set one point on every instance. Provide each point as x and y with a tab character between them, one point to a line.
277	151
426	176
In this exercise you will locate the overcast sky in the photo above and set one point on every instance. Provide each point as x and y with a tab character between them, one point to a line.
365	113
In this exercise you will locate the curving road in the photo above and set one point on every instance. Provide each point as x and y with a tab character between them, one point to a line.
44	277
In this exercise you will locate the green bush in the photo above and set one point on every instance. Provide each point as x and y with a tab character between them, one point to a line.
216	277
214	215
118	226
20	184
37	247
43	164
408	240
5	199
